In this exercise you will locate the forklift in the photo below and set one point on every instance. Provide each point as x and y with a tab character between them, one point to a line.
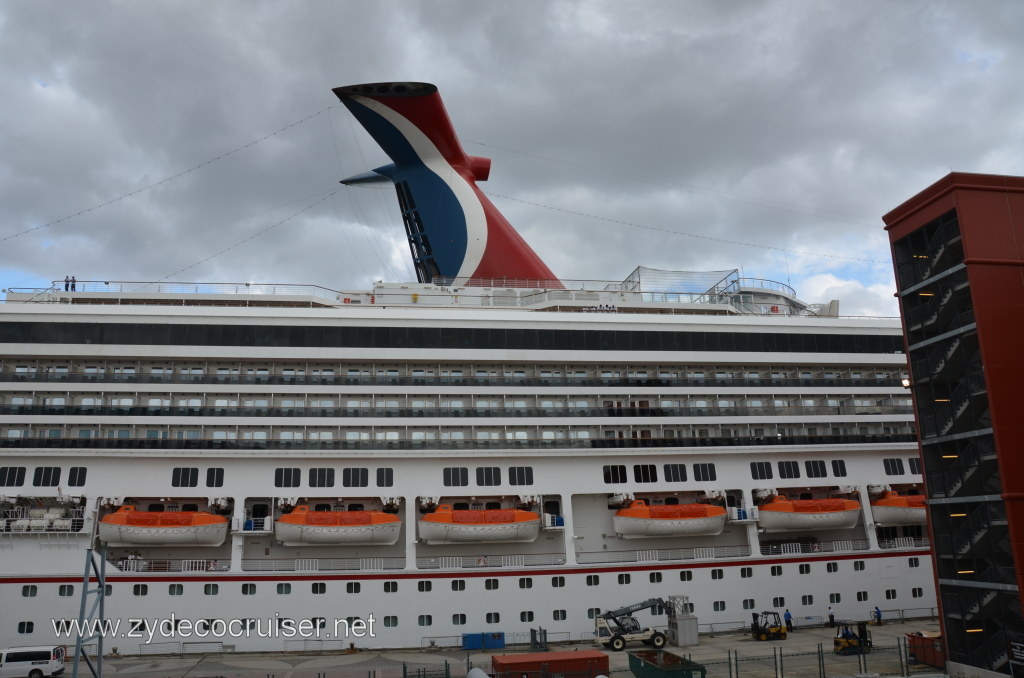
767	626
852	638
615	628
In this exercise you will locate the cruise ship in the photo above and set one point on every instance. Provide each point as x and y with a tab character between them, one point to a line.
489	449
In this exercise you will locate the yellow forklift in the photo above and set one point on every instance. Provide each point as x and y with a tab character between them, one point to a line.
767	626
852	638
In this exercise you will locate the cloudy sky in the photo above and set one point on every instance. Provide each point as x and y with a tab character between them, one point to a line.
200	141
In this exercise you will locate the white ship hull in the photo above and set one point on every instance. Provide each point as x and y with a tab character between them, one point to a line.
131	535
291	534
454	533
634	528
784	521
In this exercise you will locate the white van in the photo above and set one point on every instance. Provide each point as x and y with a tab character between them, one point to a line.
32	662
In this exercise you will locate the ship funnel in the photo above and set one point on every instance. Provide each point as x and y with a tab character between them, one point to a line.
456	235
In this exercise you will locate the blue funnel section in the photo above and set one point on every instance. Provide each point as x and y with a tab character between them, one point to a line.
423	196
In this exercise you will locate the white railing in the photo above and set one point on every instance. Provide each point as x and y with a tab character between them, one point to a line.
663	555
321	564
481	561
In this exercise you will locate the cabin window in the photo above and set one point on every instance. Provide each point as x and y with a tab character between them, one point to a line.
29	591
593	579
321	477
862	596
211	589
779	601
425	620
675	473
831	567
717	573
893	467
835	598
46	476
815	468
558	615
385	477
913	562
776	570
526	582
624	579
858	565
916	592
493	617
457	476
491	584
746	572
890	594
458	619
140	590
215	477
761	470
66	590
353	587
488	475
286	477
26	627
615	474
719	606
805	568
557	582
318	588
789	469
686	575
391	587
423	586
12	476
914	464
76	476
284	589
248	589
645	473
807	600
184	477
704	472
526	616
520	475
655	577
839	468
458	584
748	603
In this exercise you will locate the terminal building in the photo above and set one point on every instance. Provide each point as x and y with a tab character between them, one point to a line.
958	251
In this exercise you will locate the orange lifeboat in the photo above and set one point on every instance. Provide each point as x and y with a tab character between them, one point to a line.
641	520
790	515
893	508
448	526
130	527
306	527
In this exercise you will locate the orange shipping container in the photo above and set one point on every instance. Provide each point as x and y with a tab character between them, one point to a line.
578	664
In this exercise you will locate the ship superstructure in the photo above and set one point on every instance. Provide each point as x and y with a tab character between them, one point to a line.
451	456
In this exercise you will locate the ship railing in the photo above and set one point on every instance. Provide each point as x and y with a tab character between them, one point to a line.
322	564
456	444
663	555
441	641
472	380
489	561
812	547
472	412
904	543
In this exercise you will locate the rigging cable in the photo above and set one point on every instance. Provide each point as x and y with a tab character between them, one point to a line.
251	237
165	180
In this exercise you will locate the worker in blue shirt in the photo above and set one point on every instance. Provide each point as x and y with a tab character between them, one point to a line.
789	620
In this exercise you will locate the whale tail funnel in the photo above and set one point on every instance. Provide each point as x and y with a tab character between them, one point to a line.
456	235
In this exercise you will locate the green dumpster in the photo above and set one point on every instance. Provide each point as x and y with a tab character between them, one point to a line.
663	664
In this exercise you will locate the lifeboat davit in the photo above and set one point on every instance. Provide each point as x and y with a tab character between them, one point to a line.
129	527
641	520
304	527
791	515
447	526
895	509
